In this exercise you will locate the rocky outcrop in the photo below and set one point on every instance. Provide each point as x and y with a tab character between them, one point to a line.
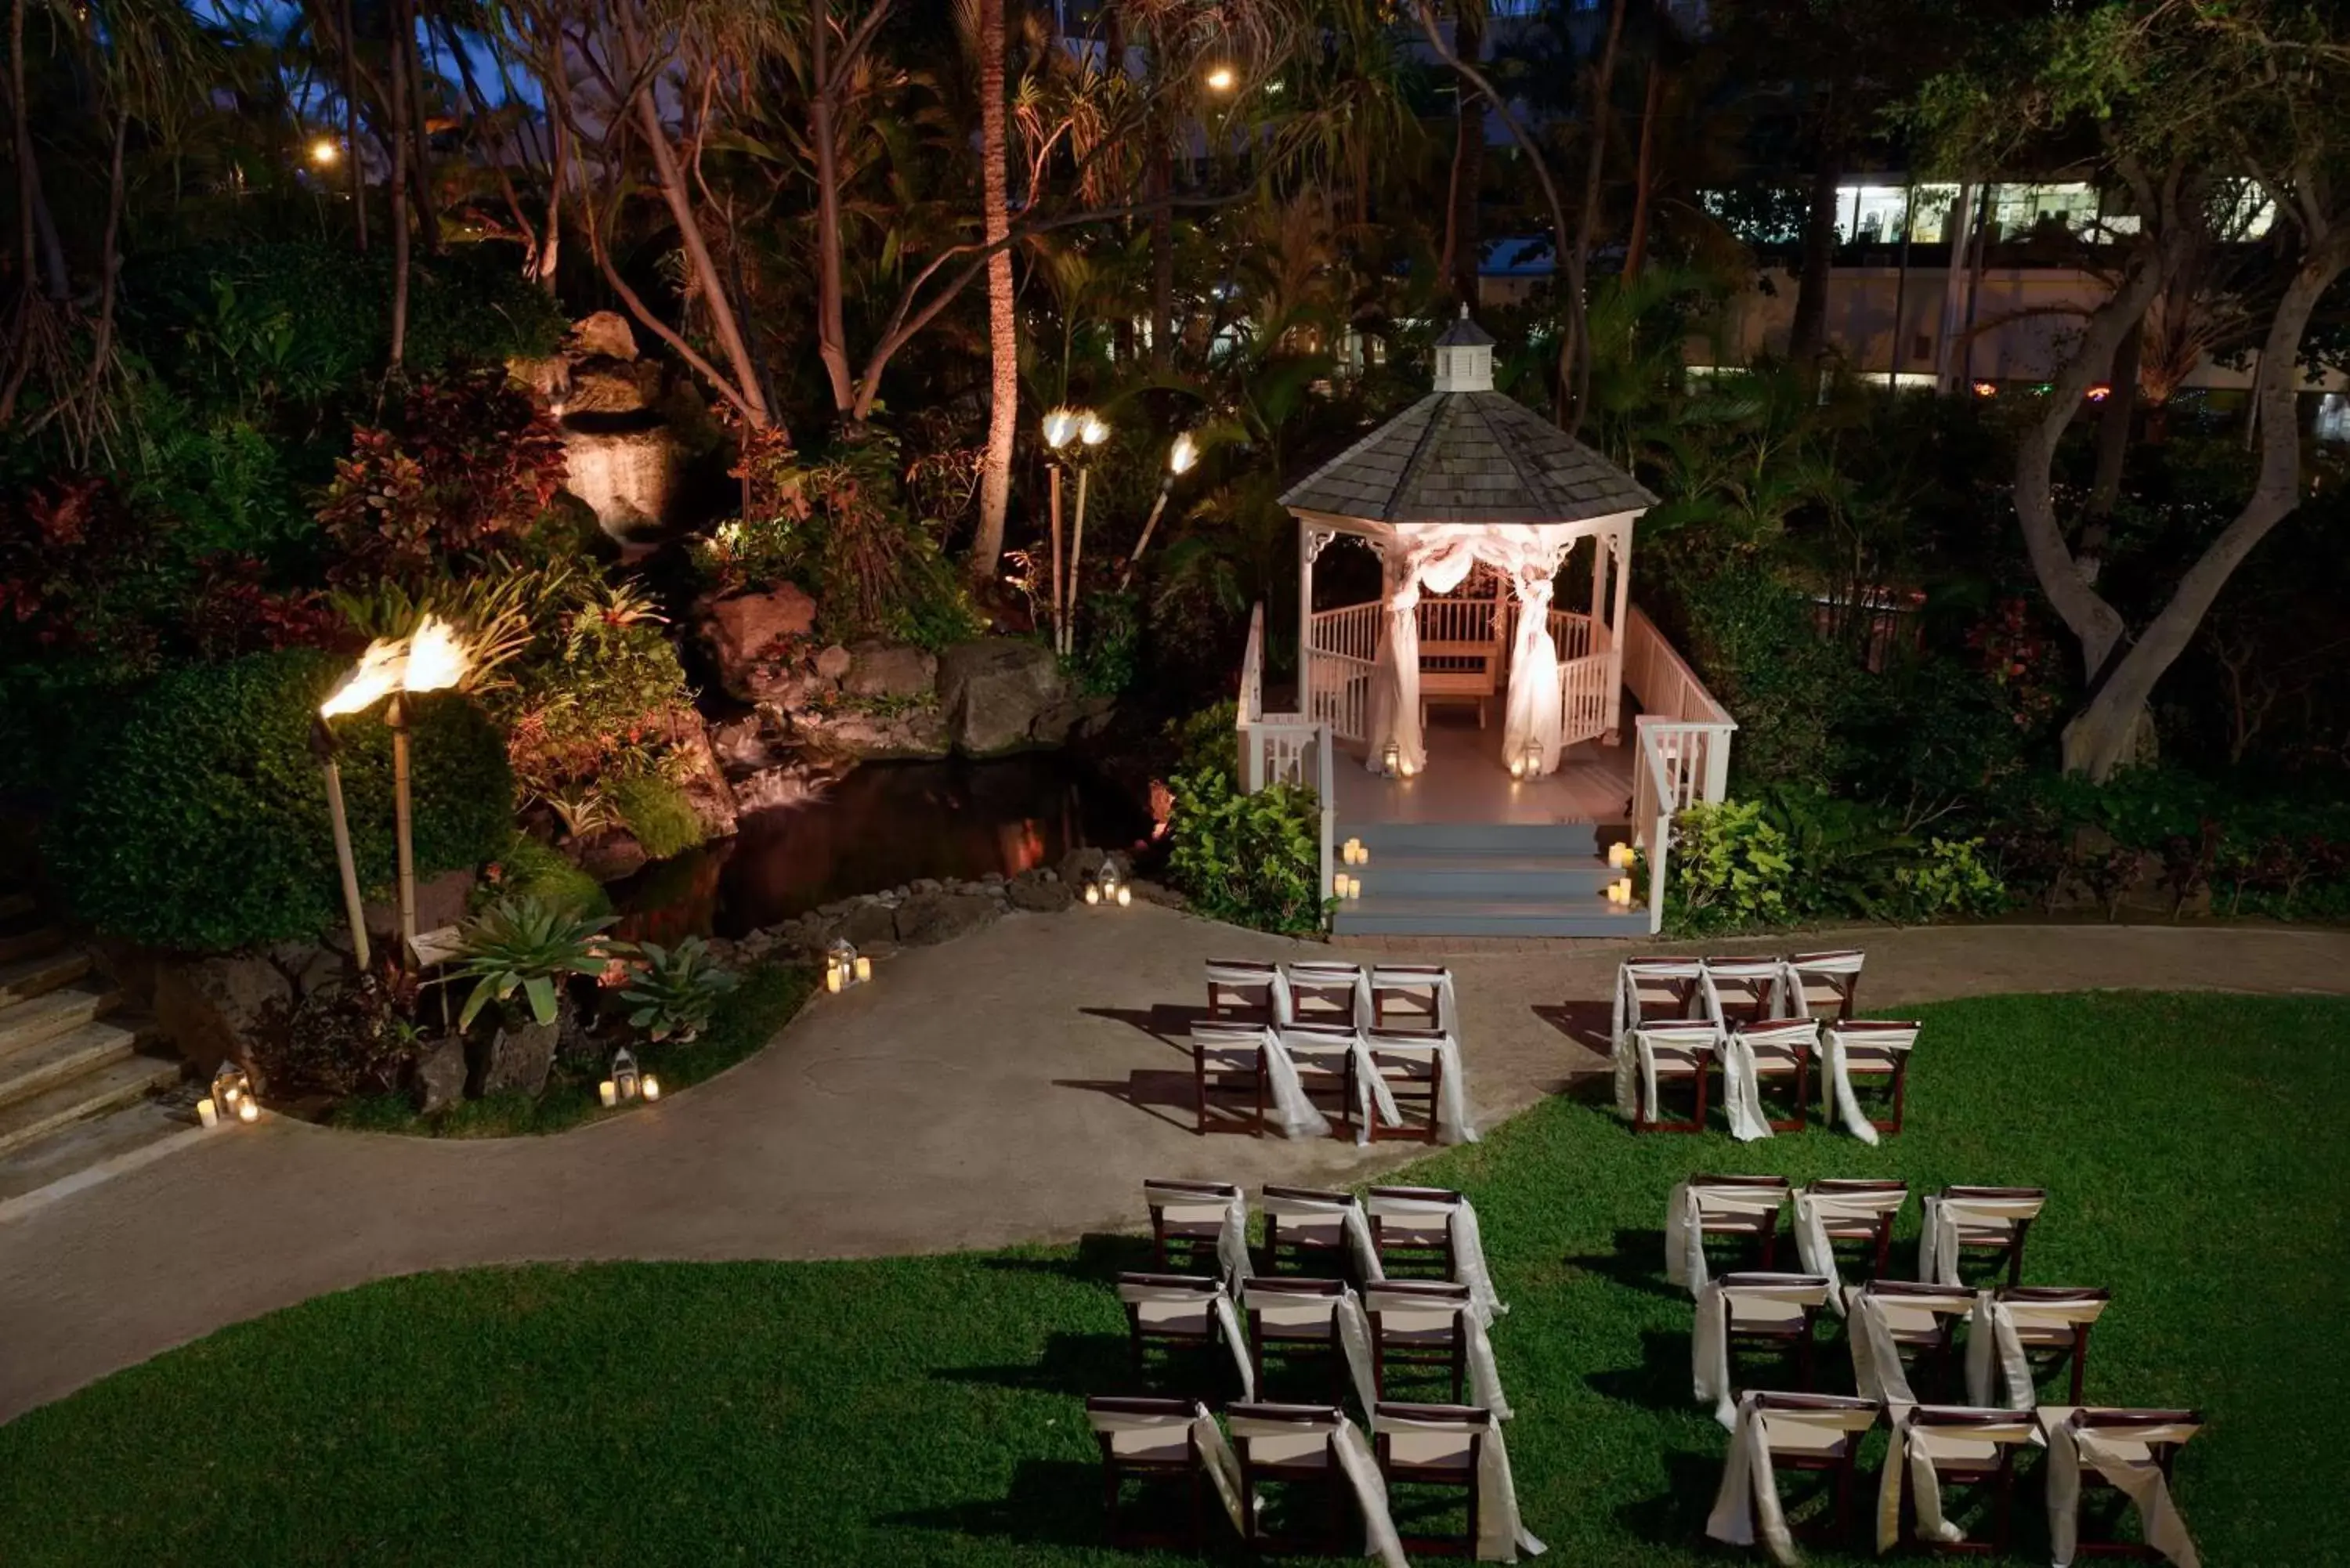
1007	695
757	639
888	670
618	445
440	1074
221	1009
441	901
519	1059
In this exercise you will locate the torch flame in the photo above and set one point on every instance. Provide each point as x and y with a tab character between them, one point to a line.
1183	454
1059	426
1093	432
374	677
436	657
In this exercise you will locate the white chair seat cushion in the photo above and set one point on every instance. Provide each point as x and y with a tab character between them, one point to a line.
1986	1232
1788	1435
1153	1445
1680	1061
1306	1320
1871	1059
1177	1317
1430	1450
1910	1322
1764	1315
1308	1449
1223	1058
1954	1448
1414	1229
1414	1328
1313	1230
1192	1221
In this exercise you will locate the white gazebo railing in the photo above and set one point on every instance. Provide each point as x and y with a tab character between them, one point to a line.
1340	648
1684	746
1287	748
1342	645
1585	680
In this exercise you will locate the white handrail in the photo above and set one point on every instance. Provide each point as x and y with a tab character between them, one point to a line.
1287	748
1683	741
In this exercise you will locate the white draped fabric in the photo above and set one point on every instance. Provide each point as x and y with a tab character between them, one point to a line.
1291	1111
2120	1455
1749	1494
1350	1217
1709	1345
1410	977
1991	1334
1437	558
1814	1211
1531	715
1629	1013
1361	1468
1877	1369
1215	1454
1938	1241
1245	977
1139	1292
1232	1235
1910	1458
1741	1096
1501	1535
1468	1243
1642	1059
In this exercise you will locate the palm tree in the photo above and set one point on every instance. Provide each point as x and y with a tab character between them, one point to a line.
1002	320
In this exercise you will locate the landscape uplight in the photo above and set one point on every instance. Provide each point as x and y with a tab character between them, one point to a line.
323	152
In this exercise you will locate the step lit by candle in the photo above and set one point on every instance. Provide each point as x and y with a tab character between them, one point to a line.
609	1092
207	1112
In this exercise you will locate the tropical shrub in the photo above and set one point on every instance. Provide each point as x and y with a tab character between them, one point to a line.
1949	879
530	869
340	1041
1251	859
672	994
599	690
202	824
527	946
1729	868
656	811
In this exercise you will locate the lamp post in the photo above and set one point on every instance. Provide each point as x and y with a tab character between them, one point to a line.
1091	434
377	674
1179	459
1061	426
436	659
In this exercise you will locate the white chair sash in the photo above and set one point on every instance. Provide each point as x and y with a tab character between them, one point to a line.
1319	975
1361	1468
1908	1462
1685	1213
2071	1445
1215	1454
1741	1097
1801	967
1877	1369
1350	1216
1446	1019
1938	1239
1627	1013
1770	974
1293	1112
1138	1294
1837	1096
1748	1493
1991	1332
1247	975
1468	1244
1371	1095
1817	1248
1231	1237
1501	1534
1642	1058
1709	1344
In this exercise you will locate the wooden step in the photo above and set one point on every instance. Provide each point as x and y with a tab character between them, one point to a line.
39	1068
86	1096
27	938
28	978
1485	917
48	1015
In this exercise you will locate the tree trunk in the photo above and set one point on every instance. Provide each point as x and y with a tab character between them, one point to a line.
349	44
395	91
2114	416
1635	245
831	315
2097	740
1463	248
1807	333
20	138
1575	351
428	210
1002	324
1162	253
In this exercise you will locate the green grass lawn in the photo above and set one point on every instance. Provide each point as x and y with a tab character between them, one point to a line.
926	1410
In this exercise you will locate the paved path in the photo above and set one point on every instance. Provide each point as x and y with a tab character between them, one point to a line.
1007	1086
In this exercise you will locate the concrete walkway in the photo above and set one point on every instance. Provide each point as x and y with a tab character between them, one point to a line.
1017	1084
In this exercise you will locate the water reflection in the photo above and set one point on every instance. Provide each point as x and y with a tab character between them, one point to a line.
880	827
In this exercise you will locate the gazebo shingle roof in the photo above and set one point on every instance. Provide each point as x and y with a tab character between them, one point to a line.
1469	457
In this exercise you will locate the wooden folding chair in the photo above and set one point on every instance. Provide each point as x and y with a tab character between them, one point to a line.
1169	1313
1743	1208
1305	1230
1409	1236
1323	1056
1406	997
1327	994
1416	1326
1745	990
1969	1448
1825	985
2052	1323
1433	1446
1876	1052
1683	1052
1186	1219
1860	1209
1783	1052
1659	991
1923	1321
1296	1445
1243	991
1411	1066
1228	1059
1150	1440
2141	1441
1775	1314
1817	1434
1994	1222
1294	1318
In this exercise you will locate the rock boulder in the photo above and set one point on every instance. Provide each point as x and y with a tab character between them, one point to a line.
751	637
999	695
439	1076
220	1009
1039	893
520	1058
889	669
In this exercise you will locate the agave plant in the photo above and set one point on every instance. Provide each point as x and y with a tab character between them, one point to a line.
673	994
526	944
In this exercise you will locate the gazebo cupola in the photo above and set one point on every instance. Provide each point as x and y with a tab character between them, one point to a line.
1466	478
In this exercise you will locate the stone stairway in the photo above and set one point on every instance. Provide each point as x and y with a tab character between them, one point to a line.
1484	879
64	1057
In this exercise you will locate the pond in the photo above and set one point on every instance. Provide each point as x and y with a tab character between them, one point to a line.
880	827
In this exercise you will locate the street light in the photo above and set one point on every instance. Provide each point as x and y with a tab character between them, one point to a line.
323	152
1181	458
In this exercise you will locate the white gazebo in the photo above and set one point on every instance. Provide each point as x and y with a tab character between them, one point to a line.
1473	503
